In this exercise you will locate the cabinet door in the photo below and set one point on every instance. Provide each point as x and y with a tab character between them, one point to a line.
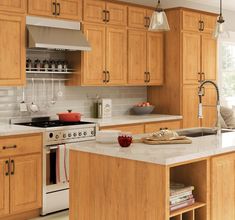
136	57
137	17
94	60
155	58
116	55
191	21
94	11
134	129
153	127
209	107
209	57
12	53
190	106
223	187
117	14
42	7
4	187
26	183
13	5
191	58
209	23
70	9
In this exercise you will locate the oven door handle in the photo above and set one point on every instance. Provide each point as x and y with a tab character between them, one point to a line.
52	147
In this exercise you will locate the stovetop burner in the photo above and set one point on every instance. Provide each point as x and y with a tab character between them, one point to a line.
51	124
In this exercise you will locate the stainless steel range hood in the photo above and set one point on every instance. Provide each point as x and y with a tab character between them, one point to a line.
56	34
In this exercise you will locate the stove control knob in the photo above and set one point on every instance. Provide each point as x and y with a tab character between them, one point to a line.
64	135
51	135
85	133
57	136
92	133
80	134
75	134
69	135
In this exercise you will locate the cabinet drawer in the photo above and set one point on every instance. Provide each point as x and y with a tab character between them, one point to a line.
134	129
153	127
19	145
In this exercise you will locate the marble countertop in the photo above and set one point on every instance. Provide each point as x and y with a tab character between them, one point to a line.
7	130
133	119
164	154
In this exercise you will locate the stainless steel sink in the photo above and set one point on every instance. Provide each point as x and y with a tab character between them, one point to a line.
200	132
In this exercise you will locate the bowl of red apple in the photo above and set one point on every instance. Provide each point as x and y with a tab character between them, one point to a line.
143	108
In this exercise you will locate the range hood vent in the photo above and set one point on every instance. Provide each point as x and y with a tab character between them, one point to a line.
55	34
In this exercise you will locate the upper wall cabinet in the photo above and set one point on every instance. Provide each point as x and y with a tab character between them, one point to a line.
195	21
65	9
139	17
105	12
13	5
12	53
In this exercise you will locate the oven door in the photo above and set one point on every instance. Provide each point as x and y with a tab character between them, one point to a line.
55	165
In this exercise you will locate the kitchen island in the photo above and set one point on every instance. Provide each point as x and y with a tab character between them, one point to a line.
109	182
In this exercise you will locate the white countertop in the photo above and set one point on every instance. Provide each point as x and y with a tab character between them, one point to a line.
164	154
7	130
133	119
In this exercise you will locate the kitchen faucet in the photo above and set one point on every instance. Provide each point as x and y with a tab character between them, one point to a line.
200	107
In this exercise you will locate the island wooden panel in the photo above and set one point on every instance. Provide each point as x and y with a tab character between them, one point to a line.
104	188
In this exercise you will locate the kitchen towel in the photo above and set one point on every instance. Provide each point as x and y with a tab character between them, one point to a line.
60	164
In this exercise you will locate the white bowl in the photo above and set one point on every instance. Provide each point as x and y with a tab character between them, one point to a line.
108	136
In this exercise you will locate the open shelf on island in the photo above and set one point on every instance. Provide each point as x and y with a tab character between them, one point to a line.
193	174
196	205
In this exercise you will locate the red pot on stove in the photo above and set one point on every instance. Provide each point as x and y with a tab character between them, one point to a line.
69	116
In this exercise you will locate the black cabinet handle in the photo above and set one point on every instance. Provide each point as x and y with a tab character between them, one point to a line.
146	22
13	167
203	25
203	76
199	78
149	77
105	77
145	77
104	16
54	7
58	5
9	147
8	167
108	16
108	79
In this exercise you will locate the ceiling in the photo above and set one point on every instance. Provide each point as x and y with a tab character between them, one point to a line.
227	4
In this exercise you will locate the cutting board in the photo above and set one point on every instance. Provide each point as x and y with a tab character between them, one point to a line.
183	140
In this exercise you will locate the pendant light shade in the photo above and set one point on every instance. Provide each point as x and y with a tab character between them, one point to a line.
159	20
219	29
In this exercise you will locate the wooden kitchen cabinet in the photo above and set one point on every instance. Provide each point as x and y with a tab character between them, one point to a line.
25	187
94	11
138	17
65	9
69	9
156	126
4	189
94	61
13	6
105	12
191	57
155	58
12	53
116	55
106	64
21	176
190	106
209	57
42	8
137	53
145	58
223	187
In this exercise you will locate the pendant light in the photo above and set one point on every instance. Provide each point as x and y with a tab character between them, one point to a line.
219	29
159	20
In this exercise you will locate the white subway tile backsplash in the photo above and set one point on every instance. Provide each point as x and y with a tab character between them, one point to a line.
76	98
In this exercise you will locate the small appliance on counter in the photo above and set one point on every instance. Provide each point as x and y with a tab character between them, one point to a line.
105	108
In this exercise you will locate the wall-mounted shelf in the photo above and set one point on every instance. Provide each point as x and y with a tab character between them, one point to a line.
49	71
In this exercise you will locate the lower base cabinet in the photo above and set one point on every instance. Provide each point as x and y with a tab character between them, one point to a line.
223	187
20	175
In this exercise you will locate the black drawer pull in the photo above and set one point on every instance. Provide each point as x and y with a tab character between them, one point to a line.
9	147
13	167
8	168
